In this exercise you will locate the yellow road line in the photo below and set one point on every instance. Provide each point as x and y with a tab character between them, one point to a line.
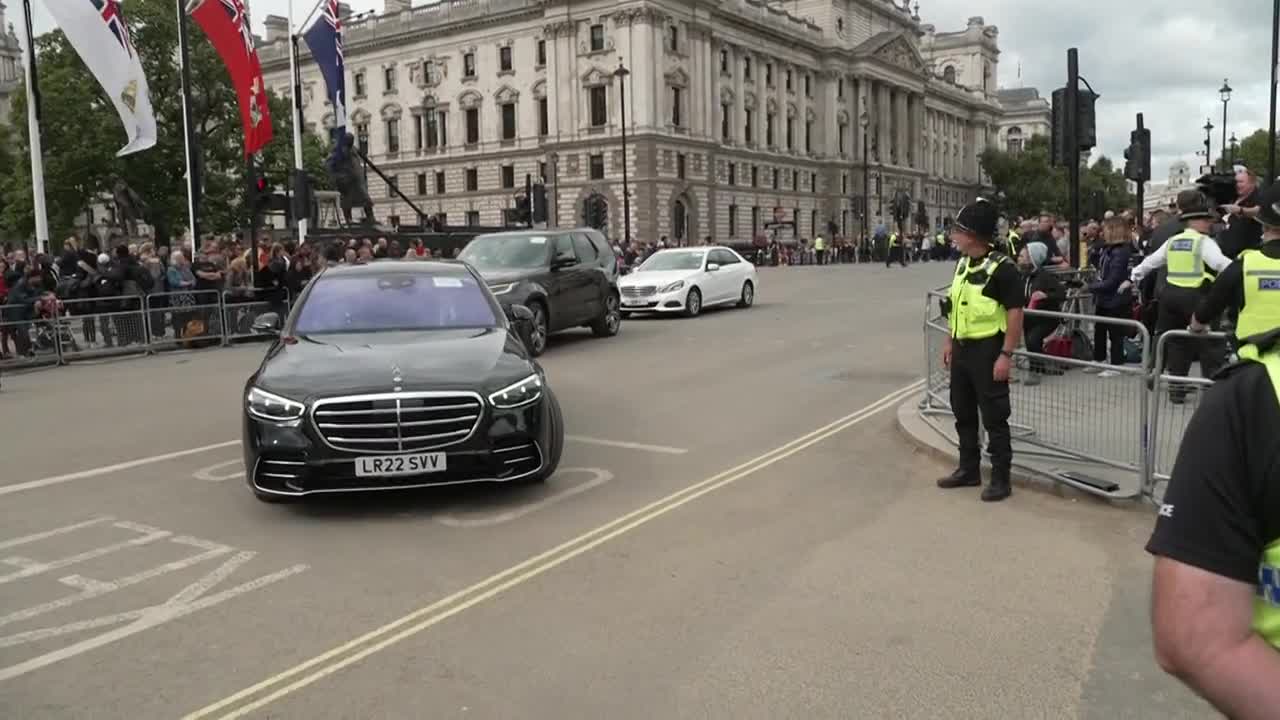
437	612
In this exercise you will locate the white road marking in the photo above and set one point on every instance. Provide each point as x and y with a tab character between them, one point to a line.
150	535
599	477
209	473
107	469
660	449
334	660
54	532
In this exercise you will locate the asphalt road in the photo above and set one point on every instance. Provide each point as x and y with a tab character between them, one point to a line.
737	531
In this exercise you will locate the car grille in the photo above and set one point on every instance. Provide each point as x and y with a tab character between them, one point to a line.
397	422
639	291
513	459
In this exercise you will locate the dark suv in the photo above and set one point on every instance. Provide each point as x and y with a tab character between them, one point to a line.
567	278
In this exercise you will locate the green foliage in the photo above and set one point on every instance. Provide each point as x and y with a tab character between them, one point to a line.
1031	186
80	135
1253	153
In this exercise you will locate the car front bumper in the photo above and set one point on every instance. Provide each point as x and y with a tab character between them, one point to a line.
294	461
670	302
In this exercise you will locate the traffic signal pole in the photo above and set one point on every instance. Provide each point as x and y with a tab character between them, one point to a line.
251	219
1142	182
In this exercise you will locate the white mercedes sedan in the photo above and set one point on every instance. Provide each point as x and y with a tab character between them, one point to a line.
686	280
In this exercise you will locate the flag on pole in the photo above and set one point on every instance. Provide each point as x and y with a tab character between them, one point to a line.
227	25
98	32
325	41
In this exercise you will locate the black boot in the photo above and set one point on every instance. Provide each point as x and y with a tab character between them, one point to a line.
999	488
961	478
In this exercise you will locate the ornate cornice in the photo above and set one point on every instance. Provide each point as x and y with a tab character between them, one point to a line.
562	28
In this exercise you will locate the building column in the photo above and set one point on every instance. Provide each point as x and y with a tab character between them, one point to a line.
884	122
831	106
856	105
902	127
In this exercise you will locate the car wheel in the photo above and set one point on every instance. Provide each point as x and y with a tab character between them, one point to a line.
541	329
693	303
555	441
610	322
748	295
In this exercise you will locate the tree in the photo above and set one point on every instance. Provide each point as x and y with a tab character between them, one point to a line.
1253	153
80	162
1029	185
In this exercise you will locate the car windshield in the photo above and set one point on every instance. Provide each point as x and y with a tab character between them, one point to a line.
673	261
506	252
394	301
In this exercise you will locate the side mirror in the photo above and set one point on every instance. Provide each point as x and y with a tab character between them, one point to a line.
563	261
712	267
266	324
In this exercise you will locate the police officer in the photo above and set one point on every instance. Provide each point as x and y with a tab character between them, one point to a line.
985	315
895	250
1251	284
1215	609
1188	257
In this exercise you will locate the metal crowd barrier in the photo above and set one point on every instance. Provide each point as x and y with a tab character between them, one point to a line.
133	324
1174	398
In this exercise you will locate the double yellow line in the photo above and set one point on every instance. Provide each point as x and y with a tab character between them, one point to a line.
321	666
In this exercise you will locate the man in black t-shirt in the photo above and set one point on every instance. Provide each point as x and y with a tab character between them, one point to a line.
1215	608
1243	231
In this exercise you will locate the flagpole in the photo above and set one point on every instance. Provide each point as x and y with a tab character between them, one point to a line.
188	129
33	131
296	74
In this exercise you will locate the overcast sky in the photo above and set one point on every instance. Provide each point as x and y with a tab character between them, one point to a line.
1164	58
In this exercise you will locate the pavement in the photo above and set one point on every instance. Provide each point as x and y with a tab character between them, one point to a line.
738	530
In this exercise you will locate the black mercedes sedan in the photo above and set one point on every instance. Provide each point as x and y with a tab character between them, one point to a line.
397	375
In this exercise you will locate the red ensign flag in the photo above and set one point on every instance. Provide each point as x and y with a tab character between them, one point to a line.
227	26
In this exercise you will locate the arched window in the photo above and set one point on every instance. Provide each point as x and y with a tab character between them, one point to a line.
1014	142
949	74
679	221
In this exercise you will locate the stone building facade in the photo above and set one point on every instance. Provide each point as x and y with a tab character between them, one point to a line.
737	112
1026	115
11	67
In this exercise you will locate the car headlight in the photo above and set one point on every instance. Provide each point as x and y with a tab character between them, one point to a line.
672	287
502	289
517	394
272	408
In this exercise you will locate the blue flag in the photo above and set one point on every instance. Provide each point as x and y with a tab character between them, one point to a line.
325	40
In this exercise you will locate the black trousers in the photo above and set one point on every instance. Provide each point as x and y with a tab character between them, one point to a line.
1036	331
895	253
972	391
1115	332
1177	304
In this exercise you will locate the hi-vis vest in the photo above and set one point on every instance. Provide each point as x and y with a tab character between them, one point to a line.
1185	261
893	239
819	243
975	316
1266	605
1261	311
1015	244
942	239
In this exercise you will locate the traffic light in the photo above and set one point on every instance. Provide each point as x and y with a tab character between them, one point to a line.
1086	121
521	212
258	195
539	203
1137	158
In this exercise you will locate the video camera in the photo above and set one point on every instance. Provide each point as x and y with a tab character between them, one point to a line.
1219	187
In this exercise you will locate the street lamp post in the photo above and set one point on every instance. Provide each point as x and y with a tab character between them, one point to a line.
865	121
621	73
1208	144
1225	93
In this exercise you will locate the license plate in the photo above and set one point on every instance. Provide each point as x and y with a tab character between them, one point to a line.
634	301
395	465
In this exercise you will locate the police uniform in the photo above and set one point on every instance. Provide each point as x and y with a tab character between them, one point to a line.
983	292
1221	511
1250	286
1014	243
895	251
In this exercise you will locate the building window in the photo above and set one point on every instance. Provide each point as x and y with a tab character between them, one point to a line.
431	130
839	24
596	170
389	79
359	83
768	129
508	121
791	133
508	176
471	180
775	175
676	118
755	220
680	166
1015	141
795	179
419	135
443	218
599	106
733	220
844	183
597	38
755	176
504	59
724	121
808	137
808	85
544	123
442	120
469	65
422	183
748	132
746	68
439	182
813	182
788	81
362	136
813	222
724	61
393	136
840	88
392	182
733	173
768	74
473	126
844	132
673	38
949	74
473	218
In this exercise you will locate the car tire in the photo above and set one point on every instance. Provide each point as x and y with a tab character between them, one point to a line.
610	321
555	417
693	303
541	328
748	297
